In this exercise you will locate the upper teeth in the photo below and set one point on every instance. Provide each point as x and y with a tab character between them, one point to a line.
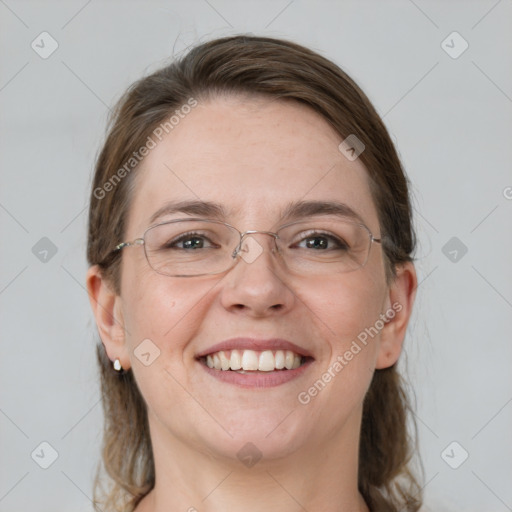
265	361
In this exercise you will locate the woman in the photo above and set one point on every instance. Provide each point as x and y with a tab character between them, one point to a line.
251	276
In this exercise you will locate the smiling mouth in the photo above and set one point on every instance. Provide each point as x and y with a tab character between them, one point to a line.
250	361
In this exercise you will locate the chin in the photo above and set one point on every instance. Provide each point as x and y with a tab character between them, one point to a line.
257	437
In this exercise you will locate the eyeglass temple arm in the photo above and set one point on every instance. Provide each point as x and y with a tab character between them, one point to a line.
137	241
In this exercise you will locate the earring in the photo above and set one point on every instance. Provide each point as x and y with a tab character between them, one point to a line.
117	365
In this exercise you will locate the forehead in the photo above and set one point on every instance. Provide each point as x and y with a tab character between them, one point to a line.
254	157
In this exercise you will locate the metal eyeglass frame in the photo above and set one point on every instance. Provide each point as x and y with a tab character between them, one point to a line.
141	241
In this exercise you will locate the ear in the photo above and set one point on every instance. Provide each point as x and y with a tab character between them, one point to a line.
399	303
107	309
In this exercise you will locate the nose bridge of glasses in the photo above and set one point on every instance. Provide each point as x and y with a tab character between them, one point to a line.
249	248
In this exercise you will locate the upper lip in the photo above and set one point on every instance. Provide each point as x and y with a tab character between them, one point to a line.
255	344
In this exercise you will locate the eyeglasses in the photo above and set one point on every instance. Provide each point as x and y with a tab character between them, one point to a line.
196	247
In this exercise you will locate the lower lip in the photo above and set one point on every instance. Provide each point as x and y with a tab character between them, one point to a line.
256	379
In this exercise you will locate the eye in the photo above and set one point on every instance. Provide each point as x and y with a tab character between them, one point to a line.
189	241
321	241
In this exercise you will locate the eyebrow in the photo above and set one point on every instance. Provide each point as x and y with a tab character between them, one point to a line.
201	208
294	210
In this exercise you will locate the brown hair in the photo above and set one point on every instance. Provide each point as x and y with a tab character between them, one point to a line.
277	69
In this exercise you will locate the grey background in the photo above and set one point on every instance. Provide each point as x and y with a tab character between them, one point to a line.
451	119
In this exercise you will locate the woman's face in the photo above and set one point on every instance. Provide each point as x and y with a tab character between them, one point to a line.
254	157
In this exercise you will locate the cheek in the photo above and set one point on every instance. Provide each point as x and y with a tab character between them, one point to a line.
344	309
166	311
347	306
161	317
348	312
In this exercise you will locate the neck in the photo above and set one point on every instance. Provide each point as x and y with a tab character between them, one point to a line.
316	477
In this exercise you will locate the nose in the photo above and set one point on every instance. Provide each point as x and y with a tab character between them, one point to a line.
257	284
